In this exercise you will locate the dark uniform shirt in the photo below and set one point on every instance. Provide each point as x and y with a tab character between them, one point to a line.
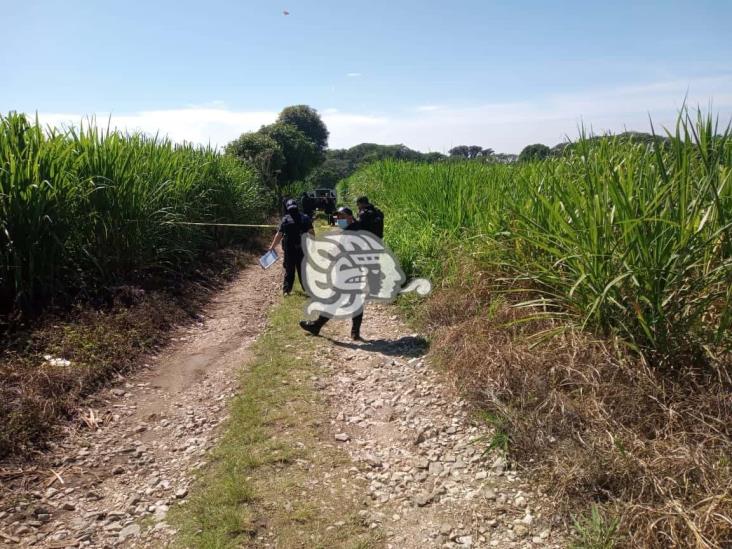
372	220
292	227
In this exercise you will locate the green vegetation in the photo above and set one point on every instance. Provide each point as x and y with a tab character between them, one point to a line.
285	152
86	207
585	300
341	163
624	238
534	152
258	484
595	531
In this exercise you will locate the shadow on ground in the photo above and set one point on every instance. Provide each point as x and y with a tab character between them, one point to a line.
407	346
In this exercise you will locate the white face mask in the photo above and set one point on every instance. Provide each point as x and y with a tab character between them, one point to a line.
342	223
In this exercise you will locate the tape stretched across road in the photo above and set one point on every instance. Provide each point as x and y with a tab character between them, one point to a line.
222	224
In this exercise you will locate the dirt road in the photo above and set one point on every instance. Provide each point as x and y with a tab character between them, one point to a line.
408	439
138	443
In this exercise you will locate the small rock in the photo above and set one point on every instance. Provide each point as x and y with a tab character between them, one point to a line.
129	531
68	506
422	463
118	470
423	499
342	437
181	493
435	468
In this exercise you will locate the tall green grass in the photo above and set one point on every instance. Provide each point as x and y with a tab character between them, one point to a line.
625	238
84	207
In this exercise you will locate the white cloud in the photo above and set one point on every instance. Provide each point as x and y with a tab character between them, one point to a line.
505	127
195	124
353	74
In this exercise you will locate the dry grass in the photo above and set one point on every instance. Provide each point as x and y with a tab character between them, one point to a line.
652	448
100	340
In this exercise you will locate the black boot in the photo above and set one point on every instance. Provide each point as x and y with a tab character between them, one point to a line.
310	326
355	336
313	326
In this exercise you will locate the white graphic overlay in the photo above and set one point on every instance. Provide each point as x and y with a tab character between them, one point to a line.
341	271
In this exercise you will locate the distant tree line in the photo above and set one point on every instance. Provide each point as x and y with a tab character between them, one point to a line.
340	163
293	151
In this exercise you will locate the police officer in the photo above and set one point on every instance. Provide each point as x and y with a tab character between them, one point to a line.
370	217
308	204
293	226
347	222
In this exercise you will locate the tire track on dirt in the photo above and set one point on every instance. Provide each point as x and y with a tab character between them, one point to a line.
119	471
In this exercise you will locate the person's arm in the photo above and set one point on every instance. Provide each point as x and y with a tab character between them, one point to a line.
277	239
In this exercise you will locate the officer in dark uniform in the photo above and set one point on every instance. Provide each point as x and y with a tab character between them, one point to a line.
308	204
293	226
370	217
347	222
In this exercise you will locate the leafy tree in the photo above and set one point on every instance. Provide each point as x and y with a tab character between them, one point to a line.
301	154
262	152
534	152
460	150
487	153
467	151
308	121
431	157
474	151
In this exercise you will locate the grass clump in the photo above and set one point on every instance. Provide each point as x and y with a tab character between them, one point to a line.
594	530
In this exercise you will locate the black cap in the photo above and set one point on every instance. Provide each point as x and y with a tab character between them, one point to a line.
291	204
345	211
362	200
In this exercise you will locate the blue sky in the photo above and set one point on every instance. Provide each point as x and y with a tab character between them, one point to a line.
430	74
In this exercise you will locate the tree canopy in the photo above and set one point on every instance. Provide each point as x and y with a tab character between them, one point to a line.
300	153
262	152
308	121
285	151
537	151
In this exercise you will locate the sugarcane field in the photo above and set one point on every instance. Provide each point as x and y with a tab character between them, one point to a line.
254	293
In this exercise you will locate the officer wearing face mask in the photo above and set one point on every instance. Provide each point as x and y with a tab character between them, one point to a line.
347	222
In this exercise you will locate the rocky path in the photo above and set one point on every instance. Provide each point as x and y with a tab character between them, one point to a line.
429	482
112	478
410	439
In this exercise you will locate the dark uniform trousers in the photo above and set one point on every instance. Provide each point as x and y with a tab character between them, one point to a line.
292	263
355	325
